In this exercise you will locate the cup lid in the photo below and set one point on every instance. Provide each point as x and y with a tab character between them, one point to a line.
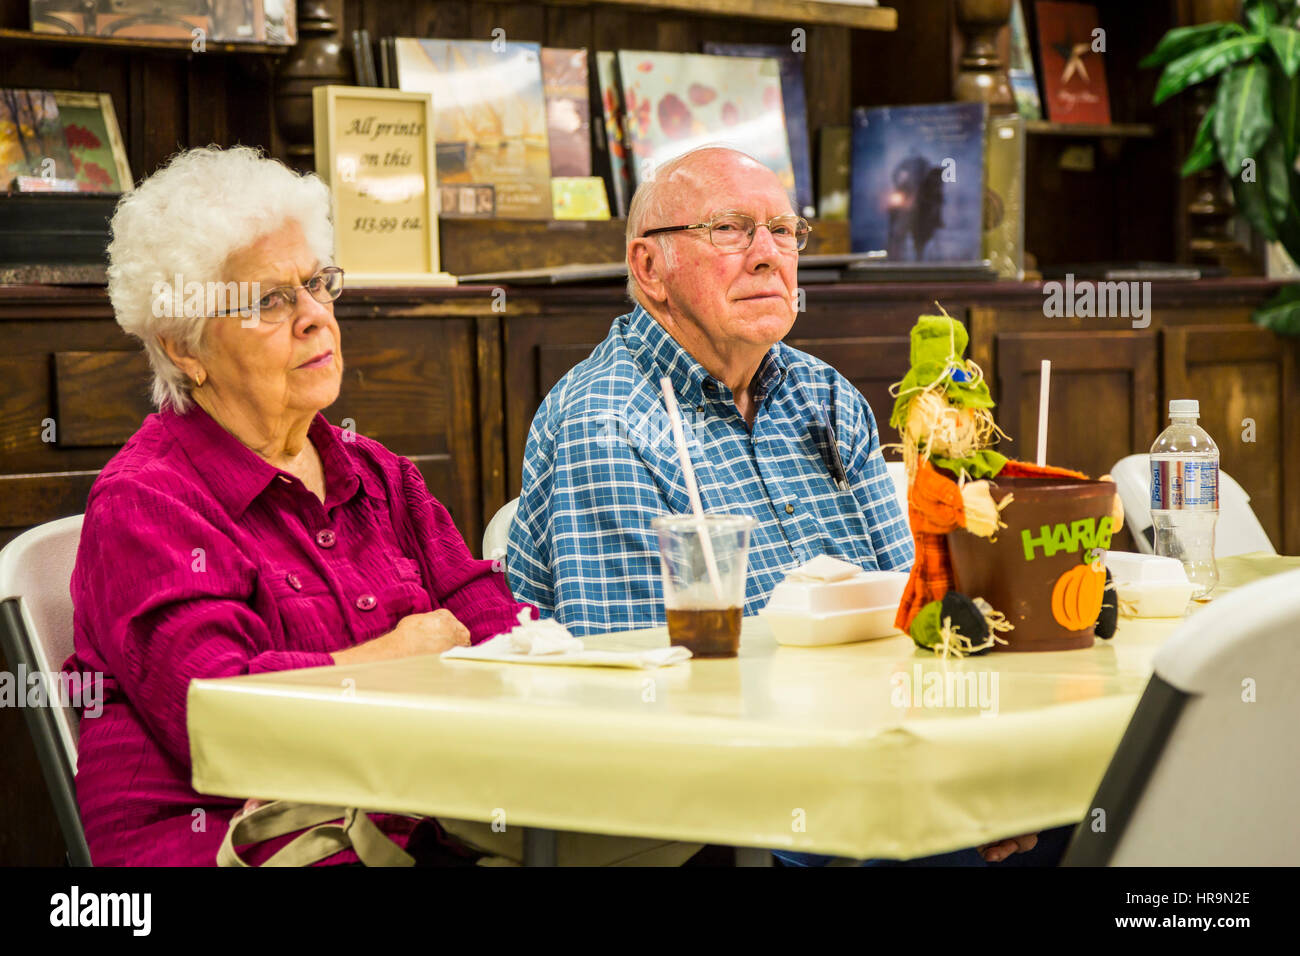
714	522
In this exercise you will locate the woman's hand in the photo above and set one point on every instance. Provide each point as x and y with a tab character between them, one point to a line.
429	633
999	851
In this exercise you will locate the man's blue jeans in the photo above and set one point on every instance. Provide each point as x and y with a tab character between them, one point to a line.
1048	852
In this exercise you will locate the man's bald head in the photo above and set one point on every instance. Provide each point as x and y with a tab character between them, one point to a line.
684	190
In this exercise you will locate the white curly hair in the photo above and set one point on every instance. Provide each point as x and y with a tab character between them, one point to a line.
186	220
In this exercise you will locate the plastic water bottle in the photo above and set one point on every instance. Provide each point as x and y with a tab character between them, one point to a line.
1185	495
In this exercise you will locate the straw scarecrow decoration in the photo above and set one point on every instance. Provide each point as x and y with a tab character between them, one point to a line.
943	411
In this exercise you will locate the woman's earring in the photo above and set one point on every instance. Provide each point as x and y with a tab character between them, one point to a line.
198	380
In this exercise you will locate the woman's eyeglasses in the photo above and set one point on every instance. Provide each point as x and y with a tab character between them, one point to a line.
278	304
734	231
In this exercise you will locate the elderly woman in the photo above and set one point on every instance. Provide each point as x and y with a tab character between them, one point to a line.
238	531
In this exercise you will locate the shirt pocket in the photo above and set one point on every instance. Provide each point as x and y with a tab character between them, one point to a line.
404	593
310	616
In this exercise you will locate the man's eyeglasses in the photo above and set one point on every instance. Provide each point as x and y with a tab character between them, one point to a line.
278	304
734	231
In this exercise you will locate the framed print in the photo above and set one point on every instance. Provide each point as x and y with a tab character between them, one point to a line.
375	148
95	141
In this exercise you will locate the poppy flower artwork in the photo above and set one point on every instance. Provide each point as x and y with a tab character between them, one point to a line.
94	141
677	102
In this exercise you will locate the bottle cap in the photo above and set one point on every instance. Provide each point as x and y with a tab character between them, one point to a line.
1185	406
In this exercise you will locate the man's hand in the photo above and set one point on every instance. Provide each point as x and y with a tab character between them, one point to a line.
429	633
999	851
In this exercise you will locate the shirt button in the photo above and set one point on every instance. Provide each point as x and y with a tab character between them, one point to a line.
325	538
699	409
293	581
789	509
366	602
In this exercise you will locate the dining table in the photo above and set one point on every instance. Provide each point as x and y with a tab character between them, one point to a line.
868	750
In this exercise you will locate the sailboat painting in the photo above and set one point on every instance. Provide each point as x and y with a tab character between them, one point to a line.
490	124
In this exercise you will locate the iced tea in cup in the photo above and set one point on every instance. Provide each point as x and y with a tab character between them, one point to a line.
704	613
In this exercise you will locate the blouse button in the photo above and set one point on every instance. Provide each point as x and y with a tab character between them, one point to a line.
366	602
325	538
294	581
789	509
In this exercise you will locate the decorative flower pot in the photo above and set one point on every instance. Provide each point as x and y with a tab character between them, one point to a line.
1042	571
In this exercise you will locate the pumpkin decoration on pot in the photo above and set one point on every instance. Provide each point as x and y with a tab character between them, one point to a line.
1008	553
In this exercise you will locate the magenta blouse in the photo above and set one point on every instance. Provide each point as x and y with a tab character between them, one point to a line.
198	559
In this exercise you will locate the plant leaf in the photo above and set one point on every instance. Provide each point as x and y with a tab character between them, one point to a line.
1244	117
1253	205
1282	312
1203	63
1260	15
1285	42
1285	92
1203	153
1182	40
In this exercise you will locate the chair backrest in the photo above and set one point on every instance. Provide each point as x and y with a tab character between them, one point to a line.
1238	530
36	634
497	532
1205	774
898	472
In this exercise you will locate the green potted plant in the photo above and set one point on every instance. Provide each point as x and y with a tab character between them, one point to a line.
1253	125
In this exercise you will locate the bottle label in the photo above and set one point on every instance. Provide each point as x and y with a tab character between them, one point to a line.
1184	485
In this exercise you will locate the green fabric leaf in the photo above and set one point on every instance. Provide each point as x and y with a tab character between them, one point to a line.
1282	312
926	625
983	464
1244	117
1203	154
1205	62
1183	40
1285	42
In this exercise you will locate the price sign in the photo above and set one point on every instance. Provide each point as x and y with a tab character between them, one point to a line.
375	149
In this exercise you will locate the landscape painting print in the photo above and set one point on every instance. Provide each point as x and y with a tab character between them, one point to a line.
1074	71
676	102
31	138
918	182
490	124
1021	69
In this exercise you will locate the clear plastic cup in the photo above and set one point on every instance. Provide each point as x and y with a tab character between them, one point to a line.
704	615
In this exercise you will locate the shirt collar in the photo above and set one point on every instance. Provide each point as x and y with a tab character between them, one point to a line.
658	354
236	474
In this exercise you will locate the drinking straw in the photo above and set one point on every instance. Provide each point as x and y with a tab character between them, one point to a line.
679	436
1044	384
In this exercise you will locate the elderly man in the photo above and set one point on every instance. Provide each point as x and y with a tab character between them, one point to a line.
712	252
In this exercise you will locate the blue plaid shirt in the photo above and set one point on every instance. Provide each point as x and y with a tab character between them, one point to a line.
600	463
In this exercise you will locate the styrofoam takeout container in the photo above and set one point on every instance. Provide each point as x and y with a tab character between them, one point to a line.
817	613
1149	585
838	627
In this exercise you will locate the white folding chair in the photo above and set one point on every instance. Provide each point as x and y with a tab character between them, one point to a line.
1206	774
497	532
898	472
36	635
1238	530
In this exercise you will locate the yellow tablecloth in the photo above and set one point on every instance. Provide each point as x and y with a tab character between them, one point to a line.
861	750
